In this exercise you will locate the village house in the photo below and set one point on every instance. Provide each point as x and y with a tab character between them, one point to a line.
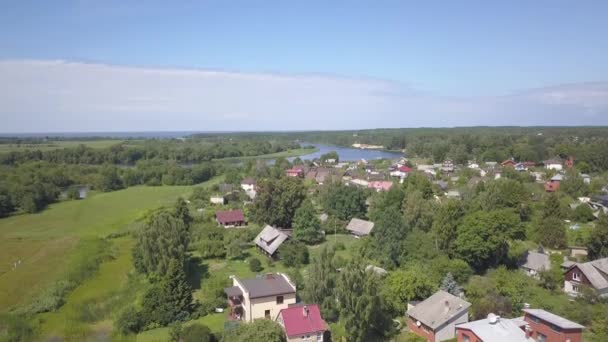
248	184
302	322
436	317
380	186
294	172
552	185
508	163
546	326
359	227
401	171
261	297
217	199
492	329
592	274
269	240
577	252
586	178
230	218
447	166
535	262
473	165
453	194
359	182
554	164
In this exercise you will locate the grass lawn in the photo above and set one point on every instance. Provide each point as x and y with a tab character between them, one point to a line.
45	241
53	145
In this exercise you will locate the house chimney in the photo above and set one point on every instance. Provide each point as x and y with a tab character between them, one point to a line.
305	311
447	306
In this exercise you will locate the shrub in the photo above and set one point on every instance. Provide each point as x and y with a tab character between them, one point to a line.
255	265
129	321
15	328
197	333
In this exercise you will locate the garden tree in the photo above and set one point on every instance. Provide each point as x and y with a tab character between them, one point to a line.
293	253
481	240
551	232
171	299
321	282
261	330
181	212
598	239
361	309
485	299
418	211
383	200
404	285
418	246
502	193
191	333
277	201
583	213
445	223
553	278
389	232
448	284
163	239
109	179
441	265
573	184
129	321
551	207
255	265
417	181
6	205
306	224
343	201
73	193
330	155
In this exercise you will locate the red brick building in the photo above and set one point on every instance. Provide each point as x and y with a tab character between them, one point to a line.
545	326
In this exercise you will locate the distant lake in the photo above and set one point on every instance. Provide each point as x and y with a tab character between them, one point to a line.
347	153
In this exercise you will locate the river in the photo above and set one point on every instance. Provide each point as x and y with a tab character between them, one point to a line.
347	153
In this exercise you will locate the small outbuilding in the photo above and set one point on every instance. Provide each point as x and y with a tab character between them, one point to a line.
359	227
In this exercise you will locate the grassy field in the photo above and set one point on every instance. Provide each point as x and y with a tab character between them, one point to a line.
53	145
43	242
285	154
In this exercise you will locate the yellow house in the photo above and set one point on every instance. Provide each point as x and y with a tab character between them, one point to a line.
261	297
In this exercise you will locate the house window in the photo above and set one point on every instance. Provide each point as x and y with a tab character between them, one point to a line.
576	276
279	299
555	328
319	337
465	338
541	338
535	319
267	313
576	288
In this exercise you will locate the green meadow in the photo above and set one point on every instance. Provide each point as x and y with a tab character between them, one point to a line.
53	145
43	245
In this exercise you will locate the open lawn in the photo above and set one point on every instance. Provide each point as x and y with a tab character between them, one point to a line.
53	145
45	241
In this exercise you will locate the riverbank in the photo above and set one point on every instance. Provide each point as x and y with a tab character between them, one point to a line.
285	154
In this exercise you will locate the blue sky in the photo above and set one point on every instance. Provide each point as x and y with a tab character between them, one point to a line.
354	64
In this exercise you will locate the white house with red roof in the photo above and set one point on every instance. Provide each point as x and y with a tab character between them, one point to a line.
401	171
302	323
380	185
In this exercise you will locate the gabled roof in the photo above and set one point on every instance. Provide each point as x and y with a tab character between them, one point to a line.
552	161
553	319
303	320
360	227
270	239
405	169
438	309
272	284
537	261
229	216
503	330
596	272
248	181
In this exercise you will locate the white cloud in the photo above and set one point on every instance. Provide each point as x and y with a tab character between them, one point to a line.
47	96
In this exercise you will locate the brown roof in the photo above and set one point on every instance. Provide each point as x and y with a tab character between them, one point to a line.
230	216
249	181
272	284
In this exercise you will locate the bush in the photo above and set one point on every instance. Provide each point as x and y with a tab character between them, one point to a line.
197	333
15	329
255	265
294	253
129	321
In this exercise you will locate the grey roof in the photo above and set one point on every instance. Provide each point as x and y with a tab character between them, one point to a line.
557	178
593	272
360	227
323	217
567	264
553	319
270	239
537	261
504	330
233	291
453	194
272	284
434	312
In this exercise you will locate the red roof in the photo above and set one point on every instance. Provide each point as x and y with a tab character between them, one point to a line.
297	323
230	216
405	169
508	162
